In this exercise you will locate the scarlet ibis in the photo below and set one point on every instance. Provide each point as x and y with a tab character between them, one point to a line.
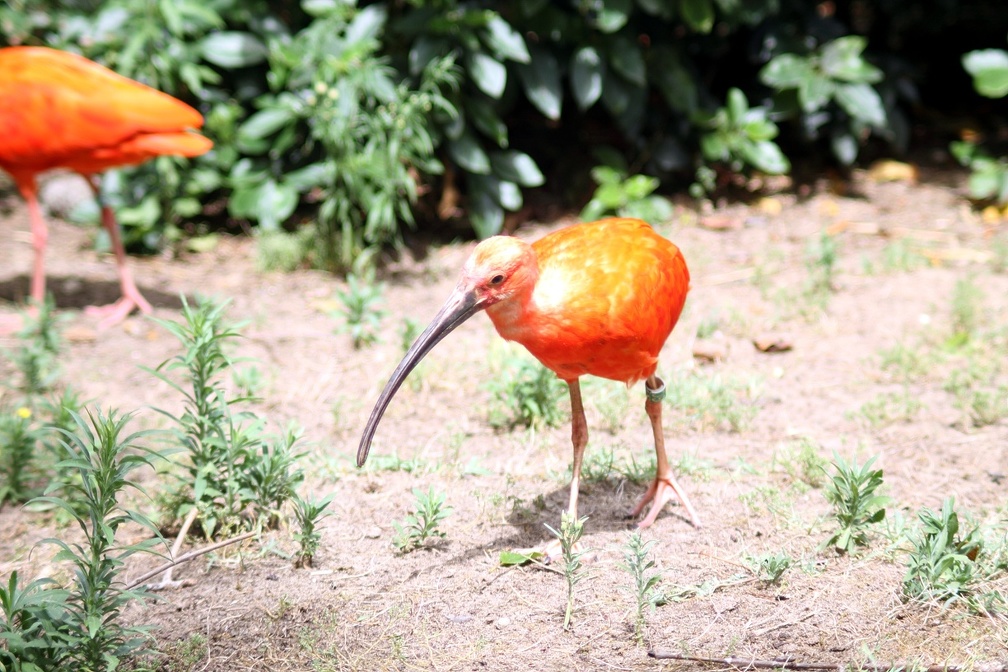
60	110
591	299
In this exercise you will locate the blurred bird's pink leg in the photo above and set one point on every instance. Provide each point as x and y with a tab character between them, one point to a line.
579	438
131	297
664	488
40	236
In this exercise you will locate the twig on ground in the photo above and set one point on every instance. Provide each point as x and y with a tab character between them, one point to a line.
789	664
187	557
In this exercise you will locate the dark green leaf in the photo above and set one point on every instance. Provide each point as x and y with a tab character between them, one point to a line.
467	153
815	91
861	101
785	71
587	71
845	147
517	167
989	68
505	41
490	76
318	8
841	59
767	157
612	15
423	51
698	14
483	116
486	214
233	49
626	59
514	558
541	82
367	24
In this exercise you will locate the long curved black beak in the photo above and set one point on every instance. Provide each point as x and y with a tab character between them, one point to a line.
459	307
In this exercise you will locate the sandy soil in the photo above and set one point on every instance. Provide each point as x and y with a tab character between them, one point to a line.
365	606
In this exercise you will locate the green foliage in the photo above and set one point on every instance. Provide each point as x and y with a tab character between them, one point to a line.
417	528
233	465
625	196
738	136
569	535
945	563
93	638
18	439
851	491
711	401
967	311
821	257
770	568
526	394
642	569
361	315
308	513
30	630
38	347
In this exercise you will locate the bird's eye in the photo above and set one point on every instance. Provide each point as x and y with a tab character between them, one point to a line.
497	279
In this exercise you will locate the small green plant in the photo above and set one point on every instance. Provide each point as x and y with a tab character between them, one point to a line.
988	179
598	465
943	562
851	491
890	407
570	558
31	629
623	196
638	563
308	513
417	528
18	440
711	401
361	315
801	460
103	459
770	568
248	381
999	254
39	344
737	135
967	309
821	257
527	394
906	363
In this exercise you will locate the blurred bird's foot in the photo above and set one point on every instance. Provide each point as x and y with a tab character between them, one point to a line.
663	490
114	313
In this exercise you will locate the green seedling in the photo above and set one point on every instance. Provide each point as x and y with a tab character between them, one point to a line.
856	507
967	309
419	527
769	569
526	394
39	345
644	589
308	514
361	315
821	257
570	558
18	439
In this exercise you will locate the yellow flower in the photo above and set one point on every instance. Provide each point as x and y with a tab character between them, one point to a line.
24	412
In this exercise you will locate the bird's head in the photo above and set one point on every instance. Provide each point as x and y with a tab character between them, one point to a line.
499	269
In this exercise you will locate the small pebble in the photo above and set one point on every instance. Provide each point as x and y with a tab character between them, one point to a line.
503	622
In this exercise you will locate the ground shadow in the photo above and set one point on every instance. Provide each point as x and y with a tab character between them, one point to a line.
74	292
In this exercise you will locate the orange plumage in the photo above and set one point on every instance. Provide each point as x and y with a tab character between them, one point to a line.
591	299
60	110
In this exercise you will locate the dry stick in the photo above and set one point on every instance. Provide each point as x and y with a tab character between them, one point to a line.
186	524
189	556
788	664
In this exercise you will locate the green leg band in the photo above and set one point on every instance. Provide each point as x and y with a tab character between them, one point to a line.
655	396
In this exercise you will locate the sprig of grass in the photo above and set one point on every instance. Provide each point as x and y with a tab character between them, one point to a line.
770	568
851	491
644	589
308	514
570	558
527	394
36	357
361	315
416	528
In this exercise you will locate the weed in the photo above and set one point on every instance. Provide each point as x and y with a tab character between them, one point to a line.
598	465
999	254
31	623
890	407
248	381
770	568
39	344
900	256
277	250
308	514
821	257
637	561
569	534
610	399
408	333
361	315
526	394
270	475
640	472
986	407
626	196
967	299
421	525
712	402
851	491
943	562
906	363
17	451
103	460
801	460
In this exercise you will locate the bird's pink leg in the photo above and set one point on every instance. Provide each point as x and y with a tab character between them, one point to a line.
579	438
131	297
40	236
664	488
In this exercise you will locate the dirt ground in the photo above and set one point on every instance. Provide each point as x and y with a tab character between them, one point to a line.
902	248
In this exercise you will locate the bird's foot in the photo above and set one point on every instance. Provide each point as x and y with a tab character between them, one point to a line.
663	490
114	313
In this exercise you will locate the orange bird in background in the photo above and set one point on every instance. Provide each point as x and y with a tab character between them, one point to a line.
591	299
60	110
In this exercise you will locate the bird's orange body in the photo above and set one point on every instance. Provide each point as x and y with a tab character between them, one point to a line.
60	110
606	300
594	299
